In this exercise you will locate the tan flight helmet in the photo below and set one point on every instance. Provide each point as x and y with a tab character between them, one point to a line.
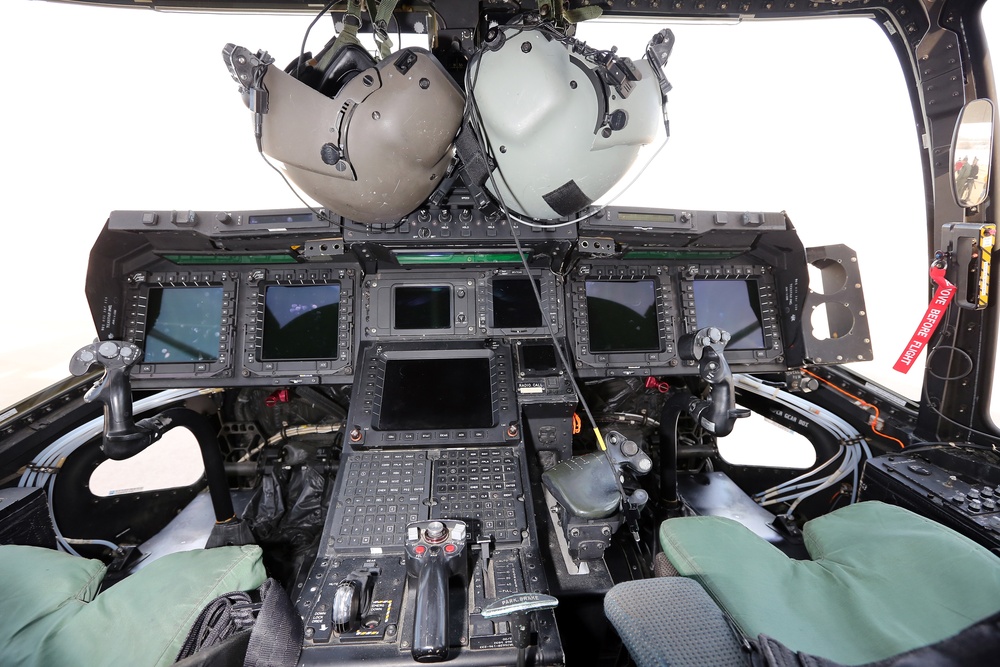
375	150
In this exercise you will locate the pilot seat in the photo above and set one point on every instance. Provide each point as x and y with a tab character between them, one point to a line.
880	581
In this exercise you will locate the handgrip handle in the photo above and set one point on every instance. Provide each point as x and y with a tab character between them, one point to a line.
435	550
122	436
430	622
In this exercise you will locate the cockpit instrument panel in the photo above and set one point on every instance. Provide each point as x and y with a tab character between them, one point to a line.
628	316
183	321
296	325
287	301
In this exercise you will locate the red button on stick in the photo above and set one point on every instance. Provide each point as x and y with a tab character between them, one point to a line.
419	549
449	548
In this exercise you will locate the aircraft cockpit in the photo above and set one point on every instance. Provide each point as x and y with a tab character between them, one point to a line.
463	406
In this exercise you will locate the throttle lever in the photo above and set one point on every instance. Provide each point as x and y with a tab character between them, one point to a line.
435	550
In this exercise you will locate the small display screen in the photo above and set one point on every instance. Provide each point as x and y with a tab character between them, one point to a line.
280	218
422	307
421	394
301	322
538	358
733	306
514	304
647	217
183	324
622	316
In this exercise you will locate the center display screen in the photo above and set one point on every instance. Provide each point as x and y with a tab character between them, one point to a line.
422	307
622	316
514	304
301	322
733	306
420	394
183	324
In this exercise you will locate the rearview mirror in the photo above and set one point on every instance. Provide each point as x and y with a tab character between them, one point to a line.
971	153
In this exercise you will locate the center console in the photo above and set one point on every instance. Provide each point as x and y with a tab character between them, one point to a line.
431	511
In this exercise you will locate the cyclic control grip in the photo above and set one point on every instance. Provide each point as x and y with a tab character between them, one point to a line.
435	550
123	438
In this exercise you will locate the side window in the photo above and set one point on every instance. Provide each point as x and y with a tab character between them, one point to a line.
991	26
761	442
763	119
171	462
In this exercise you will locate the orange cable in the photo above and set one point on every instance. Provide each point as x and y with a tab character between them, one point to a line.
862	402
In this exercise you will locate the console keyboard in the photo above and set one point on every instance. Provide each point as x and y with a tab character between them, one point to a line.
483	488
383	491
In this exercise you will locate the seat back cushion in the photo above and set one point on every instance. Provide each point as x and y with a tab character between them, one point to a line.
882	580
51	614
671	621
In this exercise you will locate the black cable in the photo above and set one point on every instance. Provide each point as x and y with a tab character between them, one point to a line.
953	348
969	429
477	120
952	445
302	51
318	212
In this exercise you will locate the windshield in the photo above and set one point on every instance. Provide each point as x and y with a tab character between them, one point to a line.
812	118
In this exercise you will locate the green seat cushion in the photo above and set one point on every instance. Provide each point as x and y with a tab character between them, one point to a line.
51	614
882	580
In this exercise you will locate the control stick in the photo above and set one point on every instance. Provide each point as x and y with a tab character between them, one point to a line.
518	606
718	413
123	438
435	550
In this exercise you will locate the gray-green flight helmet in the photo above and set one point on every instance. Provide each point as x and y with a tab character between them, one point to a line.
375	150
564	122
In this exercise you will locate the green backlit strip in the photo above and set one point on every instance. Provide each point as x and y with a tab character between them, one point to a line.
230	259
460	258
681	254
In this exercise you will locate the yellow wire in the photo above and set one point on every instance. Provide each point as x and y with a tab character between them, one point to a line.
600	439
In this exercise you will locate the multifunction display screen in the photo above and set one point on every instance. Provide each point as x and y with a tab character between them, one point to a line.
301	322
436	393
733	306
514	304
183	324
622	316
422	307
